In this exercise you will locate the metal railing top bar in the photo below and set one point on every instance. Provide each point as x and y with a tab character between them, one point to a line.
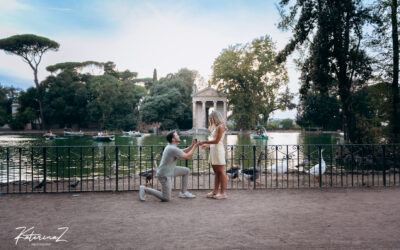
187	145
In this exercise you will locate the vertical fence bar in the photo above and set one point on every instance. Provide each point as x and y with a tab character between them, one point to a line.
265	166
151	164
276	166
384	165
44	167
209	170
362	164
32	169
373	169
331	161
341	165
254	167
298	164
69	169
20	168
129	168
116	168
243	159
8	169
140	164
57	166
352	165
320	166
198	168
395	165
93	173
81	165
104	168
286	167
309	165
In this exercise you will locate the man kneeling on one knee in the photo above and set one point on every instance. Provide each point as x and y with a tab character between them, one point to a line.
168	169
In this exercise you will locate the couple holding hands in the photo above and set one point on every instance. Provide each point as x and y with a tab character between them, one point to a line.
168	169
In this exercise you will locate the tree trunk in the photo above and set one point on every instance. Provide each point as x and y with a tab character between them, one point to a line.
42	123
395	123
341	51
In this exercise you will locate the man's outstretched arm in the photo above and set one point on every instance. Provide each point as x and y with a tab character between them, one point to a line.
186	150
189	154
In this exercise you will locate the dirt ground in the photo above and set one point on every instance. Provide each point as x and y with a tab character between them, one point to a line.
337	218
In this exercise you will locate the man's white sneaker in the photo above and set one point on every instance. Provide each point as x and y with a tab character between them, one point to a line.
186	195
142	193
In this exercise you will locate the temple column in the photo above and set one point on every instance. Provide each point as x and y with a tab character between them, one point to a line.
225	116
194	112
203	114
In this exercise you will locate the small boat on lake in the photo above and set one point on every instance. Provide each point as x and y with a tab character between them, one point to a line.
103	137
71	133
261	134
132	133
49	136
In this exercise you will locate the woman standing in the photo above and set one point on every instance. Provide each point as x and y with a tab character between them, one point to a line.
217	154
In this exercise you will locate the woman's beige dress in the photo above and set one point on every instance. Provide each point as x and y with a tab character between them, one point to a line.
217	151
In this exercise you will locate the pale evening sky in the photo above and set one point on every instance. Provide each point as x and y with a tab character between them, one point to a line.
139	35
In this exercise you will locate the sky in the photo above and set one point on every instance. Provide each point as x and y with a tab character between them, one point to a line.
140	36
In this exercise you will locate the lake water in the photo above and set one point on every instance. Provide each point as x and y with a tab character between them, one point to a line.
25	156
275	138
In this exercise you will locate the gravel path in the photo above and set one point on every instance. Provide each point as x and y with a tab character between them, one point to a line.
356	218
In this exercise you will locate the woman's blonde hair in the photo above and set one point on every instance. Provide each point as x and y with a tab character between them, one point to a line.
217	118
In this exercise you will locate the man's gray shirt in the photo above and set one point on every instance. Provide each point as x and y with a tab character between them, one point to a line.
169	159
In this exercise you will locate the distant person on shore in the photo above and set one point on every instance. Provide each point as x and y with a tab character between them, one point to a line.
217	154
168	169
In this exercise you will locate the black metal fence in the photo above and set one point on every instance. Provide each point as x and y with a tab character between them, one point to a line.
122	168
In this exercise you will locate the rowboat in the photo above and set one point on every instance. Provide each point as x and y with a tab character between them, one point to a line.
261	134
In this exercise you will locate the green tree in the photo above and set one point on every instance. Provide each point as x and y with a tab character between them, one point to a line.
65	99
73	66
319	111
154	75
28	110
31	48
113	103
329	33
169	101
385	41
287	124
5	105
252	78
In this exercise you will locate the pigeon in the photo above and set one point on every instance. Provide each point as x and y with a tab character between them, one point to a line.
41	184
74	185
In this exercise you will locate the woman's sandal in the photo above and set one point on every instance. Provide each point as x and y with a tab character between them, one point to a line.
211	195
220	196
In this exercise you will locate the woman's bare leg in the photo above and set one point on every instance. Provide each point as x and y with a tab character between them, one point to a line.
220	169
216	180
